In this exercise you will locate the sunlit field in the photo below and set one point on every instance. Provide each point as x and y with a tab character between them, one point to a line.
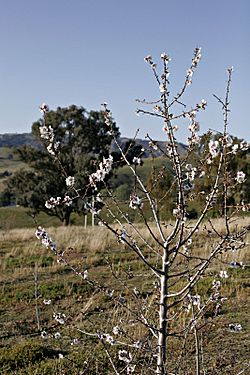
27	266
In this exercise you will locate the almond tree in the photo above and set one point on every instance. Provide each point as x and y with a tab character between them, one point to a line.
172	310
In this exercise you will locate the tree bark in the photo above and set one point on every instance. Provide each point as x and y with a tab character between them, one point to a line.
162	336
66	218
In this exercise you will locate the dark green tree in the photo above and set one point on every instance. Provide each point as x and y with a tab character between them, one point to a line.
83	140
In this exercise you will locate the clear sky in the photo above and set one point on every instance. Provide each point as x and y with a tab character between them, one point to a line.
85	52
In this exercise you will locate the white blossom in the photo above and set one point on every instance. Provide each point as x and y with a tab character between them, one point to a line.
214	148
45	239
131	369
229	140
240	178
197	57
57	335
224	274
153	145
216	284
175	211
67	200
52	148
148	58
75	342
110	339
190	72
195	300
235	327
162	88
235	148
59	318
135	202
123	235
53	202
44	335
47	301
194	127
202	105
157	108
85	275
117	330
191	173
125	356
44	108
103	169
46	132
70	181
244	146
191	114
137	161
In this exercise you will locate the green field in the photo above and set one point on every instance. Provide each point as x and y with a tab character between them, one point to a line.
9	162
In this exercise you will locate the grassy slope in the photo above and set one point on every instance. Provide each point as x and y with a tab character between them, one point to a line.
23	351
8	162
17	217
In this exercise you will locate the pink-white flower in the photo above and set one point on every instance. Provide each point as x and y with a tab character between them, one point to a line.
224	275
240	177
44	108
214	148
70	181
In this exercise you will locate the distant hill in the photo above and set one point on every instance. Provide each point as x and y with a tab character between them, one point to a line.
16	140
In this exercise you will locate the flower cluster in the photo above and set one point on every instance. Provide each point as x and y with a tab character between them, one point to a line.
224	275
214	148
197	57
53	202
117	330
44	335
191	172
240	177
216	284
109	339
70	181
75	342
195	61
42	235
104	168
123	236
135	202
44	108
125	356
47	301
194	127
47	132
235	327
137	161
153	145
194	300
59	318
165	76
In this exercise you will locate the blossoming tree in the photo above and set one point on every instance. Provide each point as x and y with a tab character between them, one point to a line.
172	310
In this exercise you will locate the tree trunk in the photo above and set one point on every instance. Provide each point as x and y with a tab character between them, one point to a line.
66	218
162	337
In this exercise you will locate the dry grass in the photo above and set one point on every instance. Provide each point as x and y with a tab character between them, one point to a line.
22	255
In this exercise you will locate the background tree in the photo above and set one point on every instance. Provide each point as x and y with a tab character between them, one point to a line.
81	140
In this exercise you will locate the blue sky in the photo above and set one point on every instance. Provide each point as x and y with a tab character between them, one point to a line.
83	52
